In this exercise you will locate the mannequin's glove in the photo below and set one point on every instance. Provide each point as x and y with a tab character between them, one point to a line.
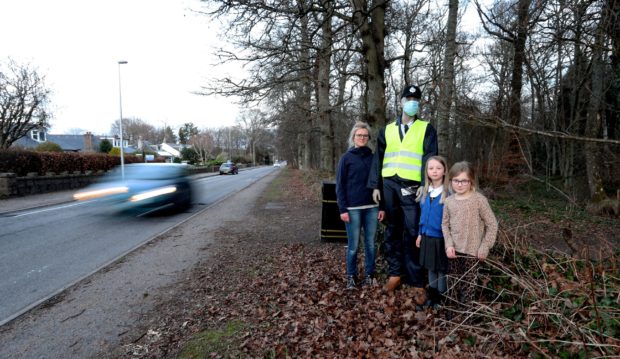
376	196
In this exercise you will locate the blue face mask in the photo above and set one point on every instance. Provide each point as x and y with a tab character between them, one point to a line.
411	107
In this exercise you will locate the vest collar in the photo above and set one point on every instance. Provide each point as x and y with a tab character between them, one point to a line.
399	120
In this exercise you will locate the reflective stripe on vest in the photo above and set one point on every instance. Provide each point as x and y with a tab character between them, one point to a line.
404	158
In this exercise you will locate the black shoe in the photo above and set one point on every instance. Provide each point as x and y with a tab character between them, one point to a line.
350	282
433	298
441	298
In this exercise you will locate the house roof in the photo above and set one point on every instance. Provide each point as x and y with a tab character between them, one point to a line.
167	150
66	142
26	142
72	142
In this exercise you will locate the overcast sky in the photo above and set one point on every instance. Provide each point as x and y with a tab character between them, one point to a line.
77	44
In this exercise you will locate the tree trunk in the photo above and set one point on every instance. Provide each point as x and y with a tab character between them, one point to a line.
373	41
516	83
325	118
447	82
593	121
306	93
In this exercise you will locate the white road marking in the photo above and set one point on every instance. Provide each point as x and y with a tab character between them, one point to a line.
50	209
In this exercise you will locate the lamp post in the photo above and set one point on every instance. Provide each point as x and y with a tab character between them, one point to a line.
120	122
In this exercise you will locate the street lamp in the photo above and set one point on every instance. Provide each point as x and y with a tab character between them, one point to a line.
120	122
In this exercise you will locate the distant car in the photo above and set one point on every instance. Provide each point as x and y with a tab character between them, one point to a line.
146	187
228	168
277	164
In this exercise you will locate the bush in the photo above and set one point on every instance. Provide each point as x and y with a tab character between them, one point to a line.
115	151
48	147
20	162
105	146
240	159
189	155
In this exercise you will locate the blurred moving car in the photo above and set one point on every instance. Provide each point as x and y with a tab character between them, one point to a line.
228	168
277	164
146	187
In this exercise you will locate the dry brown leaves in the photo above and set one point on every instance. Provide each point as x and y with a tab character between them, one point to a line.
309	313
289	290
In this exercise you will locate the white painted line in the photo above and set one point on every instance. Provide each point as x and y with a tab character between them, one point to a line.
49	209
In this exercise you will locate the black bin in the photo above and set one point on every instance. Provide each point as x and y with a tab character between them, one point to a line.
332	227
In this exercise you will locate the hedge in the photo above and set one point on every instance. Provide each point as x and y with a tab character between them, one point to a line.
22	162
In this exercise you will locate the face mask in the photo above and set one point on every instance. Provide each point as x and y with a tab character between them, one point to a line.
411	107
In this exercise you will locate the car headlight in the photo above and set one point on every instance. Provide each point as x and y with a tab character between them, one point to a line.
80	196
154	193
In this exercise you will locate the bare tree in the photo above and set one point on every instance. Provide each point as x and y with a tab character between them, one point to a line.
252	124
203	144
24	101
76	131
447	82
135	129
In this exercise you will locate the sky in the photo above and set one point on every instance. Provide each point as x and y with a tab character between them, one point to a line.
77	44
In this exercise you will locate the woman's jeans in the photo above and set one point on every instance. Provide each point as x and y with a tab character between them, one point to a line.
367	219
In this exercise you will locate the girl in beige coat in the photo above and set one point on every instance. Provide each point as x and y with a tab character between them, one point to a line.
469	228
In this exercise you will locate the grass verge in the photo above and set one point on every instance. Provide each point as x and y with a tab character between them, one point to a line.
223	341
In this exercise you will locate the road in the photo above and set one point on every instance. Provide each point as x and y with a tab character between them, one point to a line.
43	251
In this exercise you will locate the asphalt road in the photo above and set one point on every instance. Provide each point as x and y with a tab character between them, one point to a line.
45	250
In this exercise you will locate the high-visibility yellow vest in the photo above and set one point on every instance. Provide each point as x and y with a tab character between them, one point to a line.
404	158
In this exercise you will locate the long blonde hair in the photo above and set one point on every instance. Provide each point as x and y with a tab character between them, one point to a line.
428	181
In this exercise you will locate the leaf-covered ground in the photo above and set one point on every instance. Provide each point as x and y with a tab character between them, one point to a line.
273	289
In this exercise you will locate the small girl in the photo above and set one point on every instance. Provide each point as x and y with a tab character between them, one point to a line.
430	238
469	229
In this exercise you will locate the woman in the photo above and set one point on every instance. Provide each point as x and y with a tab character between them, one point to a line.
357	208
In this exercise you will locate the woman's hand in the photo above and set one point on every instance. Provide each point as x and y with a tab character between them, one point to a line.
451	252
345	217
381	216
418	241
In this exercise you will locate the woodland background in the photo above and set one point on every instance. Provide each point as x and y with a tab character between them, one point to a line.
527	88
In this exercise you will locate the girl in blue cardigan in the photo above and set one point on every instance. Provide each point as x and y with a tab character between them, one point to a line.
430	238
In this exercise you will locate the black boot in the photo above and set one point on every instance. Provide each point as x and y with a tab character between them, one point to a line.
441	298
432	297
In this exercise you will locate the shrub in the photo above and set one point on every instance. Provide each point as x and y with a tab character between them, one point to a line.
105	146
48	147
189	155
115	151
20	162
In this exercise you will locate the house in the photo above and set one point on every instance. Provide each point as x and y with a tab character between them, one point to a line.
169	151
90	143
69	143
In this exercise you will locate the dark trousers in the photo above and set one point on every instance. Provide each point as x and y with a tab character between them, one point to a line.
403	216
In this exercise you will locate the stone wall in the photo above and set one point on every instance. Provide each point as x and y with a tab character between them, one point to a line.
12	186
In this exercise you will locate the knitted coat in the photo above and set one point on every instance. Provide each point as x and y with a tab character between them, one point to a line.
469	224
